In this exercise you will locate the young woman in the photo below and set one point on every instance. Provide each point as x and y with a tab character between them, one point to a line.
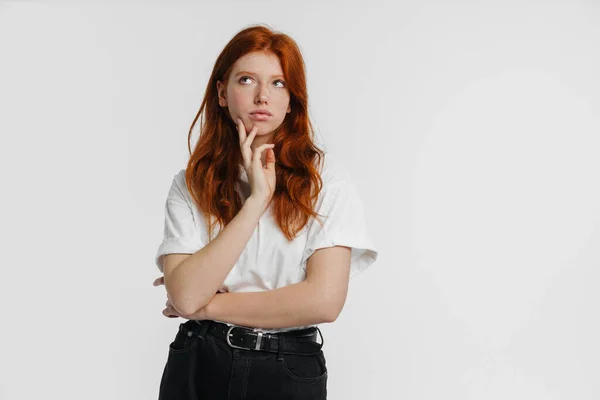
255	288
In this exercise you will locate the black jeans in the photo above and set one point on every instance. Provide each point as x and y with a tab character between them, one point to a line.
201	366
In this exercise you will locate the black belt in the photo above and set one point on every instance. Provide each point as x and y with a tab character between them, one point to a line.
300	341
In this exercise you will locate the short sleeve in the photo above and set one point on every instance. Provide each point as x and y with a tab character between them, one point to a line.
344	224
181	234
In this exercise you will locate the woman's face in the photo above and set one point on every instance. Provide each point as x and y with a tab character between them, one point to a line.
256	82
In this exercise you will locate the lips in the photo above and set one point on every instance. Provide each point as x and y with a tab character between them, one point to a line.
260	117
264	112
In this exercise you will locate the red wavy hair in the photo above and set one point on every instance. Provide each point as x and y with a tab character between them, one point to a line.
214	166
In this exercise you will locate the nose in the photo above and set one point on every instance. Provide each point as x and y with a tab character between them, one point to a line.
261	96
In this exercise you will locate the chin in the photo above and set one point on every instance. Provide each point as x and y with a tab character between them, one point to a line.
265	130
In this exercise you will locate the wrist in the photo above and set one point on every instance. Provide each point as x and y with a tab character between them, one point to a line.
257	205
208	311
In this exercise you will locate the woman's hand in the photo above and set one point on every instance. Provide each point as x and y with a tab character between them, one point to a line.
171	312
261	178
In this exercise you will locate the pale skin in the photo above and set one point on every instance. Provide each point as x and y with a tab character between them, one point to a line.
256	82
321	296
318	299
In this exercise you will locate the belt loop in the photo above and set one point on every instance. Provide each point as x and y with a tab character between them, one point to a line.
205	324
322	339
280	347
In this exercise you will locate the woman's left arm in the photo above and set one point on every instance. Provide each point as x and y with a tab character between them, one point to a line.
298	304
318	299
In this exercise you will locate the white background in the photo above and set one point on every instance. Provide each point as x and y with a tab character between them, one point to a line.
472	131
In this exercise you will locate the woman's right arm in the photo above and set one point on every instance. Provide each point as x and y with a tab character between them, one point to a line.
193	282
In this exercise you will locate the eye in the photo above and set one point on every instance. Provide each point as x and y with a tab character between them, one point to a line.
283	84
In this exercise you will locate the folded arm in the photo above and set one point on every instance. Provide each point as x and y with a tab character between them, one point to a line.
319	298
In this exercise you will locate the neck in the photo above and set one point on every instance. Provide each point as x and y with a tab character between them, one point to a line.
260	140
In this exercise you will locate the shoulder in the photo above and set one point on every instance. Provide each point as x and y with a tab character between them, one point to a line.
334	170
179	178
338	191
178	186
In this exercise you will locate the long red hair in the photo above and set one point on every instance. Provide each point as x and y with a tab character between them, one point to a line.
214	165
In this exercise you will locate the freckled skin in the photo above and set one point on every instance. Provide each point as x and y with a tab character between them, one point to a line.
257	89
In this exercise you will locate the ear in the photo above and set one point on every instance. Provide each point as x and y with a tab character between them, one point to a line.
221	93
289	109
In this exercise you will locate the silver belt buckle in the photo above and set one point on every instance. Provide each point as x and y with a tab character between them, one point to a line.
258	340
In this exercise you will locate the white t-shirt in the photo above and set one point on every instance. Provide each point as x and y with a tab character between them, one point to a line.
269	261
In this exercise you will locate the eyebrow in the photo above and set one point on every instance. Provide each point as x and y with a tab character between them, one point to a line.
252	73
